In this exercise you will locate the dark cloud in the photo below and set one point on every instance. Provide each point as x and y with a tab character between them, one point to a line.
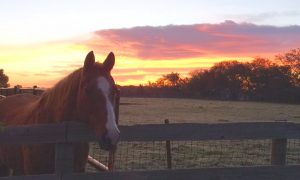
198	40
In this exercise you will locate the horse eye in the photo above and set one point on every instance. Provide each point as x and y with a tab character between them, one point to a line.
94	95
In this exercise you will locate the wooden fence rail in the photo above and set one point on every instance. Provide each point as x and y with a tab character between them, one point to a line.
236	173
16	90
77	132
65	133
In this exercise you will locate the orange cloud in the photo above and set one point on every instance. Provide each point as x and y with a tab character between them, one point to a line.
199	40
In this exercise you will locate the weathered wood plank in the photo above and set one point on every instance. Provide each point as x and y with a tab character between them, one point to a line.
278	155
239	173
293	131
33	134
33	177
78	132
230	131
64	158
191	131
168	150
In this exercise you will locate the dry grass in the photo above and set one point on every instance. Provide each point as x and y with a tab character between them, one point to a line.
155	110
194	154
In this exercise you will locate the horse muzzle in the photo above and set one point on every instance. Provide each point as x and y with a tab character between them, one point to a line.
109	141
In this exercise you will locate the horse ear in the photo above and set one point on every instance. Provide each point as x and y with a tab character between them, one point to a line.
109	62
89	60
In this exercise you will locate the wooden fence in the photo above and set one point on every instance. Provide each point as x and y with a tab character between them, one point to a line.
16	90
63	135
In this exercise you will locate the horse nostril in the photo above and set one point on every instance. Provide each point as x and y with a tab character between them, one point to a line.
109	140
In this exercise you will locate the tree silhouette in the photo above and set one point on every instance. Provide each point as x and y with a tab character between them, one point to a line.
292	60
270	81
3	79
172	79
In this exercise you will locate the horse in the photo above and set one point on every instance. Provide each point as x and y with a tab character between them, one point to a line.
87	95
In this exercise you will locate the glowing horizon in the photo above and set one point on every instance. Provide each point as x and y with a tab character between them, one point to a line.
42	42
36	69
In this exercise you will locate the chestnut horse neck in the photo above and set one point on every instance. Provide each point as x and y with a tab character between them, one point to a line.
59	103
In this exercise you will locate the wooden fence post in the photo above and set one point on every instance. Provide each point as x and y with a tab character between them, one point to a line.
64	159
16	90
34	92
168	149
279	148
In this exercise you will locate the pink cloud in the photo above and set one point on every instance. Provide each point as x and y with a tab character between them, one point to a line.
198	40
151	71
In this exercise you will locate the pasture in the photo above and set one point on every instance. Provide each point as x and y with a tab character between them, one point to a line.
195	154
155	110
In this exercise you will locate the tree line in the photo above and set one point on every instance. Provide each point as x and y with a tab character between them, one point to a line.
262	79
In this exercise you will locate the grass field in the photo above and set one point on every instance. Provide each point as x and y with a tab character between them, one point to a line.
193	154
155	110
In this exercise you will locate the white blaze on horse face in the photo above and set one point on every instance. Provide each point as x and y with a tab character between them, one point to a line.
111	126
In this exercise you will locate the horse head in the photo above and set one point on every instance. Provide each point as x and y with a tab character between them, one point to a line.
96	99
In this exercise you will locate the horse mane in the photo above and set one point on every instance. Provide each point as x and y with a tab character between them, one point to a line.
59	103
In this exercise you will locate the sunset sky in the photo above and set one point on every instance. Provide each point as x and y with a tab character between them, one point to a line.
42	41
